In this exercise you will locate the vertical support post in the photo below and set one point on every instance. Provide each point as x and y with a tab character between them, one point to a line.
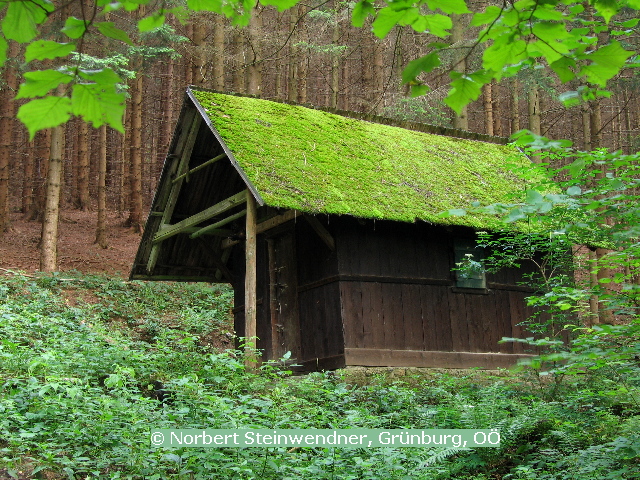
250	297
273	300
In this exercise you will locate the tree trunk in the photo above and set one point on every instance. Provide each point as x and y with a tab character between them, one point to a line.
335	66
198	74
7	120
101	229
239	71
6	128
42	152
254	72
188	77
218	54
49	241
28	169
487	97
292	84
82	195
460	121
534	109
515	111
495	109
135	175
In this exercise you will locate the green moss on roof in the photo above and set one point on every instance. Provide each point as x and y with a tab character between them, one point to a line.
319	162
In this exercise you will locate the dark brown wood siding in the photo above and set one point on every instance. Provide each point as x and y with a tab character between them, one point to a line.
397	292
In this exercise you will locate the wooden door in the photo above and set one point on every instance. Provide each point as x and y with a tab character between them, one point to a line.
283	296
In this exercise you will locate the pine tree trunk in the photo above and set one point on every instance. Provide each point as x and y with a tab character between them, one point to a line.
82	195
7	120
534	109
515	110
254	73
460	121
27	179
292	84
239	71
101	229
219	54
198	74
335	66
487	97
6	124
135	174
42	152
49	241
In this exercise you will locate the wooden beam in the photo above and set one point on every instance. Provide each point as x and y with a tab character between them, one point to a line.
213	255
226	254
250	283
273	299
322	232
168	231
379	357
277	220
199	167
184	148
266	225
214	226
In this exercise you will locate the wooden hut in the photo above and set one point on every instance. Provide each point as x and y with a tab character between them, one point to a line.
328	228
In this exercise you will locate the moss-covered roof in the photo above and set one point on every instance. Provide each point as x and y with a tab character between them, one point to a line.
319	162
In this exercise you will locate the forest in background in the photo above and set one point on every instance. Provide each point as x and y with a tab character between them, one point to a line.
310	54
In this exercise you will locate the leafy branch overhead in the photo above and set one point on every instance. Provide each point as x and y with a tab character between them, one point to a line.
582	41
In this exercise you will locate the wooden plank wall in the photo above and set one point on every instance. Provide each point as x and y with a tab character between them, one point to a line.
318	294
397	292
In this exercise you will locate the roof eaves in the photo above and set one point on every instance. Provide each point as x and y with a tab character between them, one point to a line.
250	186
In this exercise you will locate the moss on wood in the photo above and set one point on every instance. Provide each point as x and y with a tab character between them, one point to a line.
319	162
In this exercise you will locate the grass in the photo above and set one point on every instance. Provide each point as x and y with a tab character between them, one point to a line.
89	364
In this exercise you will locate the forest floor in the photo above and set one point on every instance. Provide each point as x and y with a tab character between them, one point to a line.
76	247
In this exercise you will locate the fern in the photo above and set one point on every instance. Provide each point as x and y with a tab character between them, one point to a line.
442	455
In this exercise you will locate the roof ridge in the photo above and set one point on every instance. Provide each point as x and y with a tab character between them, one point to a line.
367	117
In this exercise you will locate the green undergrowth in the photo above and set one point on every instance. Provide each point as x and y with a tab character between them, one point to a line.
81	387
319	162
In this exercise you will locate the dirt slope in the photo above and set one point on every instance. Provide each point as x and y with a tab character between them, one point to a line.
76	250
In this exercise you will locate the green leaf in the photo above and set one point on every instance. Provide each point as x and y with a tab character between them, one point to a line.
281	5
360	13
419	65
44	113
74	27
105	77
419	90
563	68
607	8
108	29
490	14
22	19
515	214
151	23
43	49
465	89
606	62
3	50
41	82
504	51
545	12
448	6
436	24
534	198
388	18
205	5
574	190
98	105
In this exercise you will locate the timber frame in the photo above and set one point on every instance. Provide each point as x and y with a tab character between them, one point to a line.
332	288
